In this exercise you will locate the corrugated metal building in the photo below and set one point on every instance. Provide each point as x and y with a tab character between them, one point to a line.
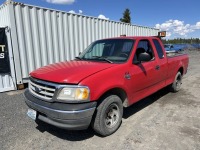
39	36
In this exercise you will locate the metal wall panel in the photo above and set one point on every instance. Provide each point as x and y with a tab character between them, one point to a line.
6	83
4	16
47	36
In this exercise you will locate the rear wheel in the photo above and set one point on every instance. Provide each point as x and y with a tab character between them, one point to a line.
176	85
108	116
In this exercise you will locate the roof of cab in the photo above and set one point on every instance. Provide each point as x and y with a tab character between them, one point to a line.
132	37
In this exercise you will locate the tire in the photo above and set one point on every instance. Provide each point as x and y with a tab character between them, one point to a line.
108	115
176	85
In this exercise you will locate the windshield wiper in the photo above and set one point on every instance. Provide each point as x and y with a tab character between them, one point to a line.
78	58
103	58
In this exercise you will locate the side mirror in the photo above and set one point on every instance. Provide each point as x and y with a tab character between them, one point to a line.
144	57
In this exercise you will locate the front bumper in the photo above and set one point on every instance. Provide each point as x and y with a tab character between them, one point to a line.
62	115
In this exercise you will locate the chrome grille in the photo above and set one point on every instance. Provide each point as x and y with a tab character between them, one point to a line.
42	91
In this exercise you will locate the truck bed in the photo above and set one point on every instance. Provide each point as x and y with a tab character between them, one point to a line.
174	54
174	61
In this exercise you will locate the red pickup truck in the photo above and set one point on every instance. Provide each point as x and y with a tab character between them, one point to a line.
94	88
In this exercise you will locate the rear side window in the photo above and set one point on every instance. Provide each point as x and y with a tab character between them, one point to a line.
158	48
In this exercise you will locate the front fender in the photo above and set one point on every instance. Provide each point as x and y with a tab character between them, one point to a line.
106	80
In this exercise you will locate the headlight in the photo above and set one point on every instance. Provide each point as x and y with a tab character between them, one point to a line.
74	93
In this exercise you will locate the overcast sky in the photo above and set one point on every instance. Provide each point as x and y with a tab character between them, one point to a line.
180	18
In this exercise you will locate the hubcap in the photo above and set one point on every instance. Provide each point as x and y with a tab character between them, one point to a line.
112	115
178	82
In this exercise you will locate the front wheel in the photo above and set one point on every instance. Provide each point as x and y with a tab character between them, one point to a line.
176	85
108	116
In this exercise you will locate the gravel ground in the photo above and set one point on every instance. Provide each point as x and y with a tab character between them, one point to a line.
162	121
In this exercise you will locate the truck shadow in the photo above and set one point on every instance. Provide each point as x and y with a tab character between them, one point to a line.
129	111
66	134
86	134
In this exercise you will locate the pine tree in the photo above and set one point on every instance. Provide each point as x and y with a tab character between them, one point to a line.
126	16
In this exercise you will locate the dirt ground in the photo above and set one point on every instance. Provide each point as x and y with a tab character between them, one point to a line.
162	121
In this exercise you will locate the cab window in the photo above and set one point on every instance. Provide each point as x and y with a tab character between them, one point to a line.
144	46
158	48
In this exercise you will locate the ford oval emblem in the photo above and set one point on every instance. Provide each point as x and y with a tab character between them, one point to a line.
38	90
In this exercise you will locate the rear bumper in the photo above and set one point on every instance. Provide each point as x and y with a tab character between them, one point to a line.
62	115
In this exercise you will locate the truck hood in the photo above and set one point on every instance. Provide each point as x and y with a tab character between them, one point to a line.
69	72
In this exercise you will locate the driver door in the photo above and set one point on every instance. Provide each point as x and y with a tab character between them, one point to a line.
143	75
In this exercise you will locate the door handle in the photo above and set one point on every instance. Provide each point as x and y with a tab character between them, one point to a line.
157	67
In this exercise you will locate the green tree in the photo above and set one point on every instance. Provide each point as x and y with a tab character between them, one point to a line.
182	41
126	16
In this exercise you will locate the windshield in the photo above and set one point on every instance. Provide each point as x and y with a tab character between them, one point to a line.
109	50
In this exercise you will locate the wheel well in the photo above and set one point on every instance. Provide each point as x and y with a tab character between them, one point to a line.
181	70
116	91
